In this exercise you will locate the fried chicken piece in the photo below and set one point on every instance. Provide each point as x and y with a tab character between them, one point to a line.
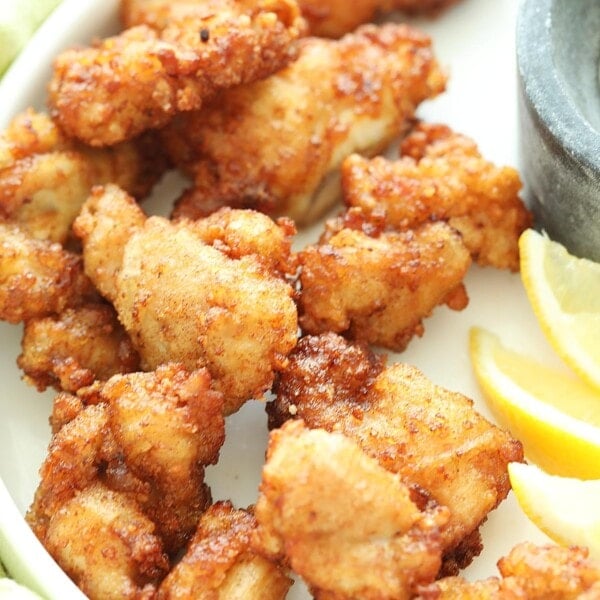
344	524
169	424
431	437
182	299
529	571
70	350
102	540
379	288
265	146
220	562
332	18
442	176
38	278
146	435
139	79
45	177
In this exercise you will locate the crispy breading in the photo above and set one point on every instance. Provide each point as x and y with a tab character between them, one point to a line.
220	562
184	300
107	546
442	176
332	18
379	288
38	278
238	233
432	437
108	219
277	145
45	177
532	572
169	425
140	78
160	14
71	464
70	350
146	435
65	407
30	132
43	193
341	521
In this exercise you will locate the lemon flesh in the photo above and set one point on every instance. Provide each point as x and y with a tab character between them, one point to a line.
554	415
564	292
564	508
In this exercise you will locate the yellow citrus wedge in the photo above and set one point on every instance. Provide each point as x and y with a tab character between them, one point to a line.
555	415
564	292
564	508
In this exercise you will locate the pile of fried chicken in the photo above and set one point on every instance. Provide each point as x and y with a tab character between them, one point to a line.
153	329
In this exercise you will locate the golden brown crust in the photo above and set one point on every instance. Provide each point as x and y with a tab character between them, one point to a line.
145	435
71	350
442	176
45	177
225	306
528	571
139	79
106	222
265	146
38	278
332	18
169	425
238	233
378	289
107	545
345	524
431	437
71	464
220	562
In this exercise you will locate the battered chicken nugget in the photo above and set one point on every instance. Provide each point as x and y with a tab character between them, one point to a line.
529	571
431	437
45	177
345	524
442	176
38	278
102	540
139	79
147	435
184	300
379	288
71	350
168	425
277	145
220	563
333	18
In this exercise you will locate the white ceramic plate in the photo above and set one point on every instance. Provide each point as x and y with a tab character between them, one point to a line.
475	41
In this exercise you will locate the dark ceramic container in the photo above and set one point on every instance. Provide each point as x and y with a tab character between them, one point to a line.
558	52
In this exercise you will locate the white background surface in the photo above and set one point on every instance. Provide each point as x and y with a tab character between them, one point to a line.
475	41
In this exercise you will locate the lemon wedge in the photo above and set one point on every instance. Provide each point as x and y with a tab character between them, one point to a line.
564	508
564	292
555	415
